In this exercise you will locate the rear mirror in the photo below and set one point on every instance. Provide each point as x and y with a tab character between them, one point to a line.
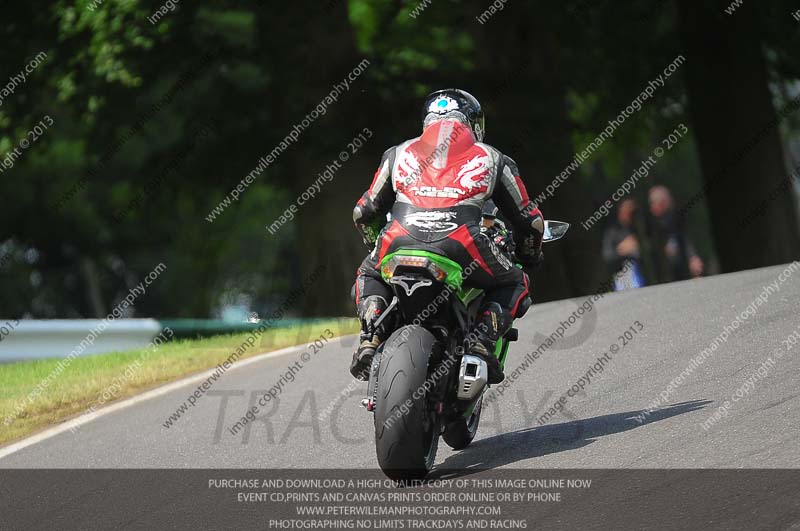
554	230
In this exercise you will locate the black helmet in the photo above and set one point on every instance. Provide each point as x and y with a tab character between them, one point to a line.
455	104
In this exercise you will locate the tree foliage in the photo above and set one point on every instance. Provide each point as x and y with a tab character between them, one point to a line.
155	123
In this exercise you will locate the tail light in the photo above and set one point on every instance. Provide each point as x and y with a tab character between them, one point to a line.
413	261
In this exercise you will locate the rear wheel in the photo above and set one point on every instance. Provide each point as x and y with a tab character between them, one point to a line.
459	433
406	427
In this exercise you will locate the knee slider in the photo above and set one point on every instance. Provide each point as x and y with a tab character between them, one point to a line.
524	306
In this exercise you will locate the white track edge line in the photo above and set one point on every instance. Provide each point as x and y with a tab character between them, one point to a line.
152	393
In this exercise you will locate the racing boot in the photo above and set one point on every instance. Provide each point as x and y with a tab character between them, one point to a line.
369	310
362	358
493	322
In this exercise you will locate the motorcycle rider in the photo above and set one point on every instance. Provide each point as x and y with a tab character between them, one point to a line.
435	186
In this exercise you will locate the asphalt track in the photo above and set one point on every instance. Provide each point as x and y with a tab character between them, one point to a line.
310	425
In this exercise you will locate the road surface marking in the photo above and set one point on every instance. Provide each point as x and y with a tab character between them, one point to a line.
147	395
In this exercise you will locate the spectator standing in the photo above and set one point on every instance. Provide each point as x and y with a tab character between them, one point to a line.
622	250
674	256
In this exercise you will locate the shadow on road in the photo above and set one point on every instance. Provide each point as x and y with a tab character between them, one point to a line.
528	443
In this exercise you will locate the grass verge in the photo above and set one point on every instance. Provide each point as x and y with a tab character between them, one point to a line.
96	381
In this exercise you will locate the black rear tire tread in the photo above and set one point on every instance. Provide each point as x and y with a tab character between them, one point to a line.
401	445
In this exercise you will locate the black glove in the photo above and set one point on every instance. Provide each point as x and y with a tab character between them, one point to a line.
509	246
530	263
537	261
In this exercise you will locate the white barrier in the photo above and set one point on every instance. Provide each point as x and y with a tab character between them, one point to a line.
56	338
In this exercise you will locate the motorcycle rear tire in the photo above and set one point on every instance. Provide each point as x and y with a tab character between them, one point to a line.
406	431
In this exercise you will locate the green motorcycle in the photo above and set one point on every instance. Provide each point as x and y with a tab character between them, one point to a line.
423	383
